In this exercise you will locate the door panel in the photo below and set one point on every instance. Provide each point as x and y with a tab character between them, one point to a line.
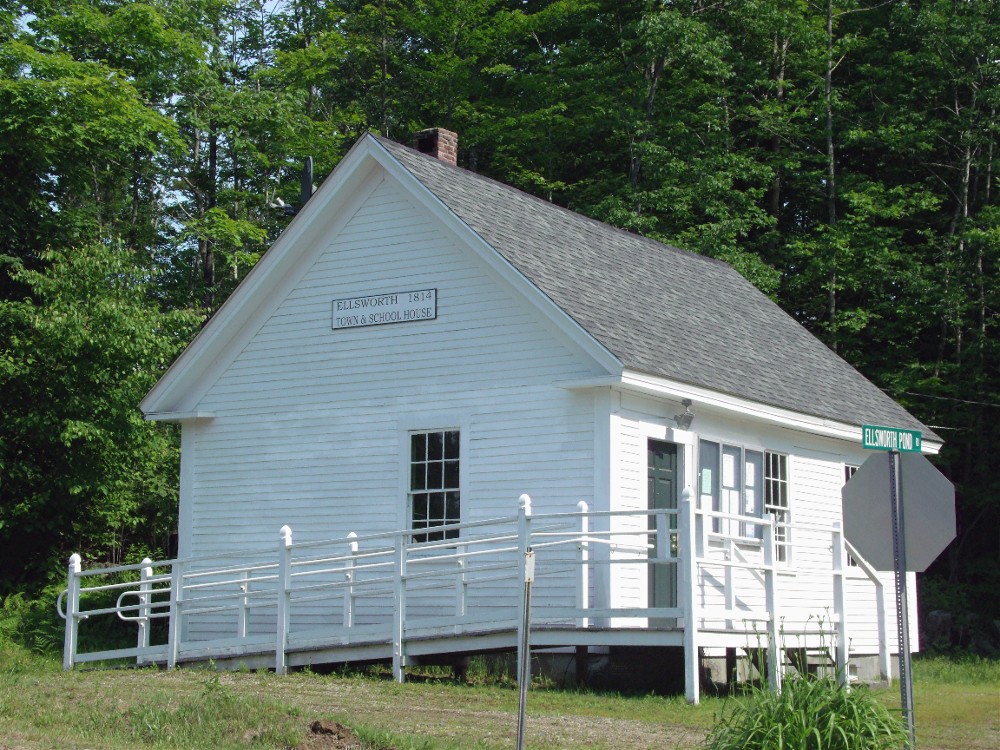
661	465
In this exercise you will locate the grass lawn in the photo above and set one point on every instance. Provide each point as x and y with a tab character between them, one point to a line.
957	708
956	704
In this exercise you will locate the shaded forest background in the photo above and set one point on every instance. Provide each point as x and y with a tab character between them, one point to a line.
842	154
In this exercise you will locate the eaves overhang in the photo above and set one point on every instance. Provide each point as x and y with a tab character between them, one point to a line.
645	384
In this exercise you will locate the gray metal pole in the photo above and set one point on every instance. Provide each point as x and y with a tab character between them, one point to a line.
902	604
524	649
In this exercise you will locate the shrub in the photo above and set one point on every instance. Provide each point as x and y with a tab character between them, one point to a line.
809	713
32	623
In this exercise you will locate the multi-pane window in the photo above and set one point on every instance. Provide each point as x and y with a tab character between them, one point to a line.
776	501
435	501
850	471
731	483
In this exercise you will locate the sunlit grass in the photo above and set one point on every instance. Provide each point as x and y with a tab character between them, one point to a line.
956	702
966	669
41	707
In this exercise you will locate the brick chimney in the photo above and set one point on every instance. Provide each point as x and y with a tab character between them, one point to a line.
437	142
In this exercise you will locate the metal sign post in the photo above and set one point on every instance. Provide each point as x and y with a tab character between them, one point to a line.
902	601
524	648
918	536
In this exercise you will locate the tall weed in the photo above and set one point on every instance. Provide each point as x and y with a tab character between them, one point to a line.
810	713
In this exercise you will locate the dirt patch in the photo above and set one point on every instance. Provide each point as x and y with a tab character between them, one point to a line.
330	735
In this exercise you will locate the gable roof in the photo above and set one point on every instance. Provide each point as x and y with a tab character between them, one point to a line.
639	307
660	310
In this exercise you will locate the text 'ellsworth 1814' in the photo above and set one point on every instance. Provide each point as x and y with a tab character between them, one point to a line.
381	309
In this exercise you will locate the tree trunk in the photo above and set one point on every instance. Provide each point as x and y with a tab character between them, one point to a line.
653	73
208	245
831	175
779	61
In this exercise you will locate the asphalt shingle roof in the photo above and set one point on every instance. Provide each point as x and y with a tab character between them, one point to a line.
660	310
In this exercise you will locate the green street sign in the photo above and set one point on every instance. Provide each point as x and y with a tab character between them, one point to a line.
890	439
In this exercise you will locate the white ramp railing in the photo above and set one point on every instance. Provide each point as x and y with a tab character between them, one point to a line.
455	580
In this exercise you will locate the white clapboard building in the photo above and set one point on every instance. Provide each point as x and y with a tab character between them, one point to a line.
422	346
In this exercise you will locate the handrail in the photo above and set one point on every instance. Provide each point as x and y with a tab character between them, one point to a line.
408	532
341	579
148	607
865	566
206	573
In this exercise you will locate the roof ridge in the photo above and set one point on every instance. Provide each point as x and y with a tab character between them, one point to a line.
576	215
680	315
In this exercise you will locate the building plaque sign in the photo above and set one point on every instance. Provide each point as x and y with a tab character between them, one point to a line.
382	309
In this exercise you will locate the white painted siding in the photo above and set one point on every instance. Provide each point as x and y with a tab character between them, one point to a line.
630	586
816	473
311	422
310	430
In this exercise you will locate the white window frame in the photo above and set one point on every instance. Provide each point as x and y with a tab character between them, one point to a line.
736	479
849	471
781	507
421	482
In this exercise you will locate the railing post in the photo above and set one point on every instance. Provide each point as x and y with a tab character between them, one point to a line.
703	525
583	581
840	602
884	658
284	600
72	611
884	668
523	547
349	575
526	576
399	613
775	664
461	582
730	588
145	597
689	593
174	630
241	613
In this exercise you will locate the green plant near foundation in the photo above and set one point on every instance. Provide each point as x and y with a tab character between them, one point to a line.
809	713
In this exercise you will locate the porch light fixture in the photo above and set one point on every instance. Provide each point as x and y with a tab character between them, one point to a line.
684	420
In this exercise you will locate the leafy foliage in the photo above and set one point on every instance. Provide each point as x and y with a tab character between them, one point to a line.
33	623
808	714
81	468
842	156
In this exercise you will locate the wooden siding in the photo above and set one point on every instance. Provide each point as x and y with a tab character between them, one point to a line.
816	474
310	428
311	422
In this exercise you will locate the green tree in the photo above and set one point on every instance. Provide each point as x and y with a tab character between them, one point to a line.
80	470
69	132
81	333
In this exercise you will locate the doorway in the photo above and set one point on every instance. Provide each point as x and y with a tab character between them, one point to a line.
661	465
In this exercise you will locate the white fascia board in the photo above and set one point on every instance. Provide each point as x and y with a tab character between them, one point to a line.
180	416
651	385
186	381
497	263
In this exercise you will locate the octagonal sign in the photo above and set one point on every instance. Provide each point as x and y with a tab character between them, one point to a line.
928	501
